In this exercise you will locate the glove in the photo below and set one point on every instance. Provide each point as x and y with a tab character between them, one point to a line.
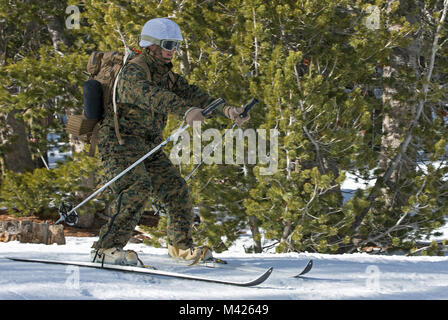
194	114
234	114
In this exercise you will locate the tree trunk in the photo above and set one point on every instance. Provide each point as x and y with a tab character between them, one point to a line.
396	120
185	66
55	28
256	236
18	157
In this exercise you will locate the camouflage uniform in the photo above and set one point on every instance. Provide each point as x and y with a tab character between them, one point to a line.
143	107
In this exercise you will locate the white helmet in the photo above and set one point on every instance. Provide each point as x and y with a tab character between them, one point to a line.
162	32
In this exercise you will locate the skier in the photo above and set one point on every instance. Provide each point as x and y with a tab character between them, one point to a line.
147	91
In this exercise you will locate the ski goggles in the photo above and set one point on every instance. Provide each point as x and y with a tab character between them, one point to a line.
167	44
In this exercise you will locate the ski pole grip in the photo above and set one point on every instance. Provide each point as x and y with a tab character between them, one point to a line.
212	106
247	107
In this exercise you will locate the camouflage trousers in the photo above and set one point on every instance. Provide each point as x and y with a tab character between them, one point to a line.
156	176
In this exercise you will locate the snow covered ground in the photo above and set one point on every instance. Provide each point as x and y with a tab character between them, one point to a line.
348	276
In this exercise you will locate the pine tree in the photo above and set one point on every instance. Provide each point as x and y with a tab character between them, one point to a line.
41	76
406	202
300	79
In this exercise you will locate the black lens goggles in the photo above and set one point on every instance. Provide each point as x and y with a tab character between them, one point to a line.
167	44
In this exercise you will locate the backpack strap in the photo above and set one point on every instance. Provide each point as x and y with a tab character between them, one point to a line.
114	91
140	61
173	79
94	139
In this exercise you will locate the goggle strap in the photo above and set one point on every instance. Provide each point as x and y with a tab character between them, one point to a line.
154	40
150	39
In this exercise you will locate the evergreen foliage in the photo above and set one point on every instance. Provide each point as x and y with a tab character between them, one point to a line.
41	191
352	87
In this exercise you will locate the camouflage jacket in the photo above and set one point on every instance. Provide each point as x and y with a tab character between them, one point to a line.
143	105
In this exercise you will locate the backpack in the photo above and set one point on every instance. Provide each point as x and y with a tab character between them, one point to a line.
99	92
103	69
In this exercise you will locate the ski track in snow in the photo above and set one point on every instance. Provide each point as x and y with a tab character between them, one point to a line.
346	276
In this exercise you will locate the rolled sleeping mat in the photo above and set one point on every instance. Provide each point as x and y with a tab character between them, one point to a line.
93	99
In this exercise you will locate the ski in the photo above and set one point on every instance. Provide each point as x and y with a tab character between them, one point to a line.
218	263
149	270
305	270
222	264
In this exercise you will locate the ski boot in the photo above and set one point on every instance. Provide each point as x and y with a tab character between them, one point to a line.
193	254
115	256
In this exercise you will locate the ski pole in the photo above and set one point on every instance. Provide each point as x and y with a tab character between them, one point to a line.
246	110
72	211
43	159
